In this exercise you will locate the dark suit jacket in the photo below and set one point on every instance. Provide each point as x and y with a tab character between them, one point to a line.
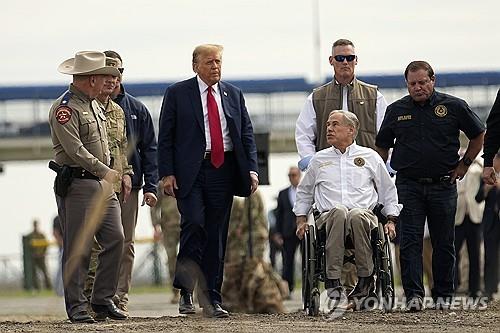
181	138
285	217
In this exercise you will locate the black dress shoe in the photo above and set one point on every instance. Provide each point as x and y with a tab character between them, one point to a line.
364	287
108	311
82	317
214	311
186	303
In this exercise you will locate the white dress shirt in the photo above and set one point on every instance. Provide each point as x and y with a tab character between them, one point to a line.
292	194
305	130
351	179
228	144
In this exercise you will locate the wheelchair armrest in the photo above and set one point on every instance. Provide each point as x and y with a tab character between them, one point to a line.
377	210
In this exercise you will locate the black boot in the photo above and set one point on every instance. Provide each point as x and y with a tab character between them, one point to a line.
364	287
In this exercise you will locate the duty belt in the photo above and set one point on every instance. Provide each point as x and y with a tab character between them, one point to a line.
83	174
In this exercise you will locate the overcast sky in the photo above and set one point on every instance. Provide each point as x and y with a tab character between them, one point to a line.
262	38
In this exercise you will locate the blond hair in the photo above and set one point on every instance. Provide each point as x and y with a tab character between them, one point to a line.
205	48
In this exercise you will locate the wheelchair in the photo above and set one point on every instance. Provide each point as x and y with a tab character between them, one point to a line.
314	265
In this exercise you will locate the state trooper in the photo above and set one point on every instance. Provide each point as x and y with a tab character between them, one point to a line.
87	205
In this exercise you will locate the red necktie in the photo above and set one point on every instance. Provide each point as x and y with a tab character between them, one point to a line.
217	149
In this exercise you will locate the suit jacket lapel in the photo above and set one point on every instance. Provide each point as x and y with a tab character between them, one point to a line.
196	102
224	97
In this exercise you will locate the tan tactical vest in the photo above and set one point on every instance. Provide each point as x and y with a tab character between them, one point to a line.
361	100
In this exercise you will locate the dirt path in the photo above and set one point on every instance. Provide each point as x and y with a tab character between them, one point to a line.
477	321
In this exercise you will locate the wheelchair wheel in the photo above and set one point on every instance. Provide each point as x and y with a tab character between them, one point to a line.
385	278
310	289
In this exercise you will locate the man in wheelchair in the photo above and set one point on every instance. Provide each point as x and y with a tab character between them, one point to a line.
343	184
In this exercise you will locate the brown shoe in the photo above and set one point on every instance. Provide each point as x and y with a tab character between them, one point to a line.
123	306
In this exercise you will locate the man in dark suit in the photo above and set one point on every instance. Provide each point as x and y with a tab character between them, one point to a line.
286	227
206	154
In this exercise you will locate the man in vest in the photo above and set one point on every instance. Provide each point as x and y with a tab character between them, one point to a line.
344	92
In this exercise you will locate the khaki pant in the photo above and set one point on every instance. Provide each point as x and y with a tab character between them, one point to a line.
341	223
129	221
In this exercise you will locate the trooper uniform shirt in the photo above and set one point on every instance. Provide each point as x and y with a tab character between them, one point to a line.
79	135
427	137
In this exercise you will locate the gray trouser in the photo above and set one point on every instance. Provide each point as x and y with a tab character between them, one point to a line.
340	223
76	212
129	221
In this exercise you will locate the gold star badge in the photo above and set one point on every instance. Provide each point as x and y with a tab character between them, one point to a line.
359	161
440	110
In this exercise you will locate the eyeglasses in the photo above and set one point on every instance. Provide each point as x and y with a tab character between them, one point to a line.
341	58
120	69
293	175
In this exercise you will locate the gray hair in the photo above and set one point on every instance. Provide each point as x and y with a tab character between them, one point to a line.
350	119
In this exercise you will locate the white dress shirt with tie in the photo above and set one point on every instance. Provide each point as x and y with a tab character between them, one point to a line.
228	144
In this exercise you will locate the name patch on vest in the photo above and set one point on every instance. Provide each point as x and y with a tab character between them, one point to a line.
405	117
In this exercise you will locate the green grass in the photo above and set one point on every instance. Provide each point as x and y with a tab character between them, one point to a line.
15	292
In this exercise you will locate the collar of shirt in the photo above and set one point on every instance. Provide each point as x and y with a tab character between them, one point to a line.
79	94
351	149
349	84
203	87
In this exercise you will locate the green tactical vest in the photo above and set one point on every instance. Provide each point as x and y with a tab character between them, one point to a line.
361	100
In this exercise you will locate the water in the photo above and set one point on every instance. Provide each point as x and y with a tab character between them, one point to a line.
26	193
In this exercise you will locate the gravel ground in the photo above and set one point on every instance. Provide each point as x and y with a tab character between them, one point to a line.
153	313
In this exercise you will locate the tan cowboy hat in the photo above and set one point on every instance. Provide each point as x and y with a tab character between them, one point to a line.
88	63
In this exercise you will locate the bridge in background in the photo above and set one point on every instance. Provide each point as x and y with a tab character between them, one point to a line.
274	105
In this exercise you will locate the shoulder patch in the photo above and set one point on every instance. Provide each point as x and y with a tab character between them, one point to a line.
63	114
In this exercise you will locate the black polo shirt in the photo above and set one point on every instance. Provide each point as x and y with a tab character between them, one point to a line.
426	138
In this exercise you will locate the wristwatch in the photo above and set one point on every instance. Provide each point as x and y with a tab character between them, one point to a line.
467	161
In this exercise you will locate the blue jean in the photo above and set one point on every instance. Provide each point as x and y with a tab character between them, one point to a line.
436	202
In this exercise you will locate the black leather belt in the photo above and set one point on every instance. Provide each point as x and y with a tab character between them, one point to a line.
83	174
208	154
431	180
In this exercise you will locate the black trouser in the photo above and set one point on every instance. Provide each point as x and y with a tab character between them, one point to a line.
204	225
273	251
436	202
290	245
491	234
470	232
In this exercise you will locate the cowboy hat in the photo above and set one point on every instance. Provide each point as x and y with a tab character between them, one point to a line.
88	63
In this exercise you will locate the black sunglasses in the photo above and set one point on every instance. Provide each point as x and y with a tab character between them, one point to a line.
341	58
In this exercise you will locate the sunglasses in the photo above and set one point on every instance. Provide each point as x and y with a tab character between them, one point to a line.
341	58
